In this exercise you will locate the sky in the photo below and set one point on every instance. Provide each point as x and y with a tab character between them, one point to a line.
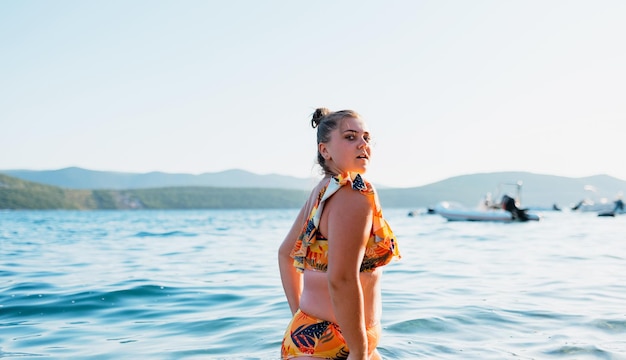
447	88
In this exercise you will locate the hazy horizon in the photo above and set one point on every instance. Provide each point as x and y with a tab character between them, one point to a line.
312	176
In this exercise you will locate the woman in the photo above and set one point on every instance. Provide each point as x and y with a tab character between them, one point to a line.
330	261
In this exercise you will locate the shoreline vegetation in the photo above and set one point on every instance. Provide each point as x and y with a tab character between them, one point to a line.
241	190
17	194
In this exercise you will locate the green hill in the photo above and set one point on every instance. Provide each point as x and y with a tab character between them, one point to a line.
538	190
21	194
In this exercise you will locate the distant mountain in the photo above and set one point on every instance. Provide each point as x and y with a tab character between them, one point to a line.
78	178
176	190
537	190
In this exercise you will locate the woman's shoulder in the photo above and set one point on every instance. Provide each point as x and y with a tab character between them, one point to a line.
354	191
349	198
360	186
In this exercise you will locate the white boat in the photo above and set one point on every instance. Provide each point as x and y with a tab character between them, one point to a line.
603	206
456	212
618	209
507	210
588	205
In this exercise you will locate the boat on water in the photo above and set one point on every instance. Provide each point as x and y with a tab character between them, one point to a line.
456	212
603	207
507	210
588	205
617	210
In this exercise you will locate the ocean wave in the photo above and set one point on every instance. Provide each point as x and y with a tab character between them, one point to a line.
610	326
205	284
580	352
143	234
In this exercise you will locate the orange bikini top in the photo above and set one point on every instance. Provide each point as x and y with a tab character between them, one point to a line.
311	248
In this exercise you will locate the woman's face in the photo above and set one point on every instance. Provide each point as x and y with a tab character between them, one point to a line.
349	147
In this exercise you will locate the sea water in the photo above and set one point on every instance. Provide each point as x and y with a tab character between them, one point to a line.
205	285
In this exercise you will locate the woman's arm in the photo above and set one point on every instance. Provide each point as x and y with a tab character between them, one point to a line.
291	279
349	225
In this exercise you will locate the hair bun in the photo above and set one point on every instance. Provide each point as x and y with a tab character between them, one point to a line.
318	115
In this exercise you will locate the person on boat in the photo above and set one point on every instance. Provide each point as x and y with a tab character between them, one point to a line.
486	203
331	259
508	204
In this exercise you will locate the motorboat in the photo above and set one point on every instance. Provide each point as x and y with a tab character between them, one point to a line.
588	205
603	206
454	211
508	210
617	210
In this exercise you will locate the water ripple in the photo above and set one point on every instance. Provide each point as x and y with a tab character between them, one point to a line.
205	284
143	234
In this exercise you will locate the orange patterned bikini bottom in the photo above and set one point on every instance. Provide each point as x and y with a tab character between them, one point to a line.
309	336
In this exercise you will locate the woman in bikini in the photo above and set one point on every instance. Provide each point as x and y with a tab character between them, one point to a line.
330	261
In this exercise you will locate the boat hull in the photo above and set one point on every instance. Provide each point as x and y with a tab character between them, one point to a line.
455	212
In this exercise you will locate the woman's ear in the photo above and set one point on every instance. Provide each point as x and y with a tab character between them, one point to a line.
323	149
